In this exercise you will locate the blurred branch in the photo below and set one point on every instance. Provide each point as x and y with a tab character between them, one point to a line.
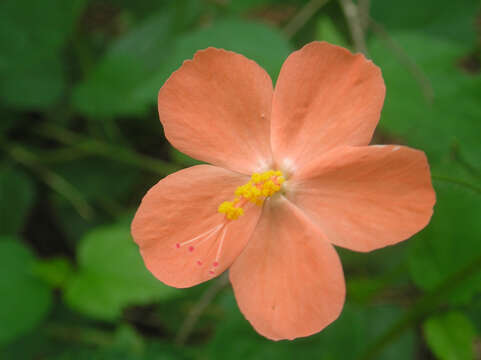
457	182
354	21
114	152
51	179
415	70
303	16
56	156
207	297
363	9
84	335
425	306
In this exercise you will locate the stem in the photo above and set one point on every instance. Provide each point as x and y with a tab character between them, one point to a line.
363	10
303	16
207	297
354	21
114	152
426	305
51	179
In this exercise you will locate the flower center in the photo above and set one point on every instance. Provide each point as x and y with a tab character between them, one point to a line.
256	190
259	187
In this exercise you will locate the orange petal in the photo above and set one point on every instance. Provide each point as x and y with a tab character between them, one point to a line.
325	97
217	108
288	281
183	207
365	198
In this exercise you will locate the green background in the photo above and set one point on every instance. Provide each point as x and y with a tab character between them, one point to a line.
81	143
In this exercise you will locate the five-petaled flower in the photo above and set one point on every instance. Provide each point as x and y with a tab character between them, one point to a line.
292	176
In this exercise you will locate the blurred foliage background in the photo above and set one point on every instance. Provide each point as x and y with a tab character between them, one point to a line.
81	143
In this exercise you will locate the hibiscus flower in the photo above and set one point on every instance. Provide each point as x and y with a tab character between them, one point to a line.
291	176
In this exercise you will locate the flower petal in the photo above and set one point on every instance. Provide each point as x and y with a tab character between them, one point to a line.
365	198
325	97
181	207
288	281
217	108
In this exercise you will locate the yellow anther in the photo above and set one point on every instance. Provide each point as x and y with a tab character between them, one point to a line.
231	211
259	187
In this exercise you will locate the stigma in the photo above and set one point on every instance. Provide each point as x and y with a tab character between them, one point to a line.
256	190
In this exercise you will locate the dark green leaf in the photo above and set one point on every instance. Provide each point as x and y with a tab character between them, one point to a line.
24	300
111	89
17	194
32	34
442	18
182	159
256	41
449	243
98	179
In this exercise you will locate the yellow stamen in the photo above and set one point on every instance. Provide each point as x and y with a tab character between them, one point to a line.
259	187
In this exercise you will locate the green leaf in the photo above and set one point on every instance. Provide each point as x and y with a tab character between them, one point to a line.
127	80
111	275
357	326
111	89
449	243
24	300
432	67
17	194
32	35
259	42
440	18
450	336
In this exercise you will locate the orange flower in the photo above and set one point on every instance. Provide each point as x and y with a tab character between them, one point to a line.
292	176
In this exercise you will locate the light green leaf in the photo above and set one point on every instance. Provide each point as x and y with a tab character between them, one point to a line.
111	275
55	271
450	336
24	300
327	31
17	194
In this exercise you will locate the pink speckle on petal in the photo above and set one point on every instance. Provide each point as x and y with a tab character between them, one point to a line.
177	245
215	264
199	262
191	248
211	272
